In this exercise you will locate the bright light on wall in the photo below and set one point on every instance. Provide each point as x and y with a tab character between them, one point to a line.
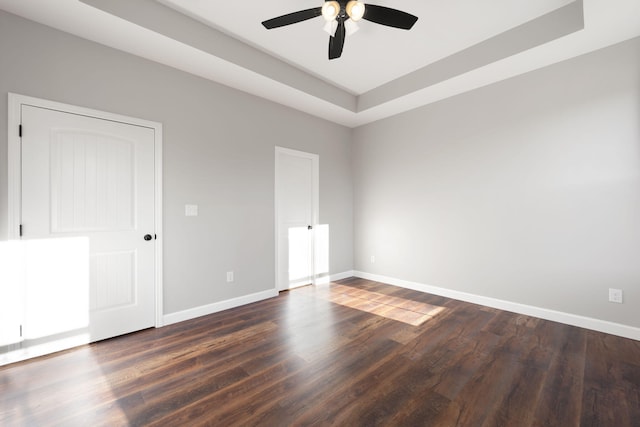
321	249
300	269
308	254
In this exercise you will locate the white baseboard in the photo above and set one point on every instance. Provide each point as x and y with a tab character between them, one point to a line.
204	310
529	310
323	280
343	275
33	351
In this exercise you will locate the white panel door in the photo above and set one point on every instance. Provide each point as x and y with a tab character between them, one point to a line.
296	207
88	225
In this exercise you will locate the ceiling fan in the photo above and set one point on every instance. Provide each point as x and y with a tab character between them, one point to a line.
341	17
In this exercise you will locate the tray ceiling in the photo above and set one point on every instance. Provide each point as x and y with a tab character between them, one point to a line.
456	45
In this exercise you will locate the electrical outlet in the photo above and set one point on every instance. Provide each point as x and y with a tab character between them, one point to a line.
190	210
615	295
373	259
229	276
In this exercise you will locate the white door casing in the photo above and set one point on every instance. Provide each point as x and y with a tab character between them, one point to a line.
89	182
297	204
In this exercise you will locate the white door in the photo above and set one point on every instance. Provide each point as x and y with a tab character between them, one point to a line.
296	215
87	225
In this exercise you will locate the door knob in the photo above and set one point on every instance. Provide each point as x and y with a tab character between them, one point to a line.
309	227
147	237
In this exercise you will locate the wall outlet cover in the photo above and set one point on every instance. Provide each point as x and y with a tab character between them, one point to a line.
191	210
615	295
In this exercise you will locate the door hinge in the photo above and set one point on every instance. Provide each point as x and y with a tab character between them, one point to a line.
20	231
20	331
20	131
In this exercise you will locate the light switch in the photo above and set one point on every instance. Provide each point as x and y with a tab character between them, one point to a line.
191	210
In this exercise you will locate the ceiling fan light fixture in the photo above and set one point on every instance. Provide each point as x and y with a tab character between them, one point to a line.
341	17
355	10
330	27
330	10
350	27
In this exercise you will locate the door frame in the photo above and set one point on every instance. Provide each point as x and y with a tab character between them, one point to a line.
14	160
315	201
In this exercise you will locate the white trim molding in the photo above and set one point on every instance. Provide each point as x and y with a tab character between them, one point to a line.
203	310
14	160
159	235
343	275
323	280
612	328
29	352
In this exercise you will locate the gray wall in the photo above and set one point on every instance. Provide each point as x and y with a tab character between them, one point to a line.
527	190
218	153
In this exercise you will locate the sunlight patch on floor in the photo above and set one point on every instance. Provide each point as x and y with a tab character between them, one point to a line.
395	308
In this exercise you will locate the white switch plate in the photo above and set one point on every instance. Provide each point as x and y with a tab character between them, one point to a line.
229	276
373	259
615	295
190	210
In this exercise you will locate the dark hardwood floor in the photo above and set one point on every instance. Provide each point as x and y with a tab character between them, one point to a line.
355	353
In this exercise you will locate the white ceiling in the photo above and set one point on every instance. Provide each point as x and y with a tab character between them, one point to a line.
375	54
383	71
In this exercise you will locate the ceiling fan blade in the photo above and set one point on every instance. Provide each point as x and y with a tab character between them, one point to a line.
292	18
389	17
336	43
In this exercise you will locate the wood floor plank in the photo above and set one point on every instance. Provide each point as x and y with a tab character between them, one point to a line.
609	397
557	404
346	353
